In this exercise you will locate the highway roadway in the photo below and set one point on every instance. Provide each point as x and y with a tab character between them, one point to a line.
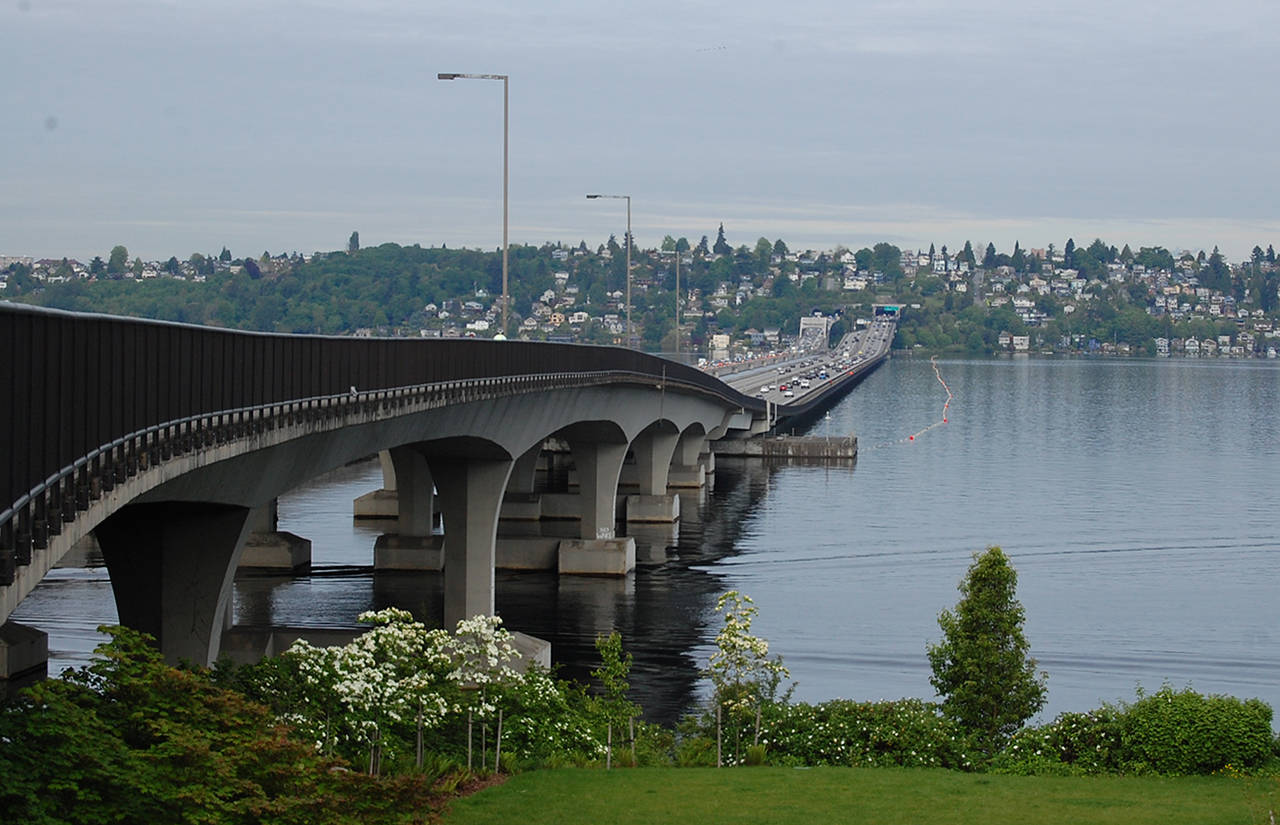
791	380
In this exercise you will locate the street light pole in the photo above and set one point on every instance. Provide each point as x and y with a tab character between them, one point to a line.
506	201
627	198
677	303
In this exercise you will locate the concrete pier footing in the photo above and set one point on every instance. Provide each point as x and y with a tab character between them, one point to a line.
395	552
644	509
597	557
277	550
24	651
528	552
378	504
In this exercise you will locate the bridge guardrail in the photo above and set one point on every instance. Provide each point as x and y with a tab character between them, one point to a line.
28	523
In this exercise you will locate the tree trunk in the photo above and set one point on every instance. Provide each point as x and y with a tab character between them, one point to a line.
497	748
719	761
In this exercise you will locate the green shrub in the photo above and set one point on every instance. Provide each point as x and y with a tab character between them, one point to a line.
1184	732
905	733
1170	732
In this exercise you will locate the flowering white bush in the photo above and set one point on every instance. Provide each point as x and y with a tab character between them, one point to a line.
372	698
740	668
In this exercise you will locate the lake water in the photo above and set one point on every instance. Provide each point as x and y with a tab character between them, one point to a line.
1136	499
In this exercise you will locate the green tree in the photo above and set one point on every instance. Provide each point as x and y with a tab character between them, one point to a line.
763	251
982	667
615	667
353	243
118	261
721	246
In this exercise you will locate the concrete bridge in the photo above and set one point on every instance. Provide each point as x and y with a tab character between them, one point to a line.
170	443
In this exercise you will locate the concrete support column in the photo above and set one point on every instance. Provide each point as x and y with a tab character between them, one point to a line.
411	547
381	503
653	450
268	548
686	470
599	465
171	567
598	552
521	503
470	499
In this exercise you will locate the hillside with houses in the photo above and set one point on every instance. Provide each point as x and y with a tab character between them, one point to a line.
739	300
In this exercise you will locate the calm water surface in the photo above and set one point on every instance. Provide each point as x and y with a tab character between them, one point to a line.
1136	500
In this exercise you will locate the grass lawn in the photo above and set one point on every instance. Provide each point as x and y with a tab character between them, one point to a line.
778	796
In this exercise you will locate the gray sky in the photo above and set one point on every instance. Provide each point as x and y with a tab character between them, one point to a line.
175	126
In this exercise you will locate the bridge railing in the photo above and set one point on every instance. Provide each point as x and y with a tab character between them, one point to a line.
43	511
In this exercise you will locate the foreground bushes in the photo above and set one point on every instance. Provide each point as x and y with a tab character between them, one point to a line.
130	739
1170	732
904	733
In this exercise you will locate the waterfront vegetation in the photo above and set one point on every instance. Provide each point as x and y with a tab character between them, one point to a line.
392	725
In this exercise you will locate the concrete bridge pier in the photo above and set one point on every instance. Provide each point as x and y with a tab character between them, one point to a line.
653	449
471	491
171	566
24	654
520	503
269	548
687	470
412	546
521	545
597	551
384	502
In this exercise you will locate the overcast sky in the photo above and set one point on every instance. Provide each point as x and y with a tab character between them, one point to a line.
175	126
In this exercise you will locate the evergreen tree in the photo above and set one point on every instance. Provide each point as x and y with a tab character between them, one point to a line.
353	243
1019	259
969	257
721	246
1069	254
981	668
989	258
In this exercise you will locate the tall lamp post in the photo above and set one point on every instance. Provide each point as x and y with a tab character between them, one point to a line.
505	198
627	198
677	303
